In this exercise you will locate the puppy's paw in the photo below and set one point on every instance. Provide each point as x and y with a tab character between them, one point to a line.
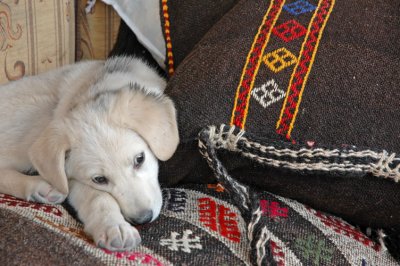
119	237
43	192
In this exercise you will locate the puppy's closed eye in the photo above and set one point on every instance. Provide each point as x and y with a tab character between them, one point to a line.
139	160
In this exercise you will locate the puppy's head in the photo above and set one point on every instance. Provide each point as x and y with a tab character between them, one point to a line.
117	160
112	142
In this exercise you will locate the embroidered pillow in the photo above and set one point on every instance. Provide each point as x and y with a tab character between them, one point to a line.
314	73
197	225
186	22
181	25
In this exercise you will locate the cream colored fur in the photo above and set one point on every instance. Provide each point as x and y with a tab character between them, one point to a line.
83	121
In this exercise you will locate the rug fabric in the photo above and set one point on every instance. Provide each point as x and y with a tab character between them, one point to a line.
185	23
315	73
249	199
198	225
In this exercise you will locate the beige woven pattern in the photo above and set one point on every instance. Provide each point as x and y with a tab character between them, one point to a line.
97	31
56	219
35	36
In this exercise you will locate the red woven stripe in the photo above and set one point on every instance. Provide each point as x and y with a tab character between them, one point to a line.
255	54
303	68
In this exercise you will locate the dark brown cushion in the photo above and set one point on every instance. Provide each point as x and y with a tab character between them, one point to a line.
186	22
311	73
337	83
198	225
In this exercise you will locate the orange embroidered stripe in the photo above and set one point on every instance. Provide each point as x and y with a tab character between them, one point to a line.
300	74
167	30
253	61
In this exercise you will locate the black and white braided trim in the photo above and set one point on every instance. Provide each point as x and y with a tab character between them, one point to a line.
246	200
342	161
208	151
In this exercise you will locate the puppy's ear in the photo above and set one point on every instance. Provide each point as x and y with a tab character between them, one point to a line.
153	117
47	155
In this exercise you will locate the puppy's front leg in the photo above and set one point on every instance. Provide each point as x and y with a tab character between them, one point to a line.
32	188
102	218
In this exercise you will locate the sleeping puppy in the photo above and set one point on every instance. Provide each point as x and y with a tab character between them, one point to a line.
94	130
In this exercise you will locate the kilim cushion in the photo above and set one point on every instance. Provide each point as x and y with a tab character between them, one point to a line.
319	77
186	22
198	225
299	159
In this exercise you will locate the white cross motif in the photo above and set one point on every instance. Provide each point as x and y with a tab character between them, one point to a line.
185	243
266	96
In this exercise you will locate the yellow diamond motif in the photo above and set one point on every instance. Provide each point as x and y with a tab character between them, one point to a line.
279	59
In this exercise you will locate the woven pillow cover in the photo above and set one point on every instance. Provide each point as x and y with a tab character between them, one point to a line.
320	74
185	23
198	225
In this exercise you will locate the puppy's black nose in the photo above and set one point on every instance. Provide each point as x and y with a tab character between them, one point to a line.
144	217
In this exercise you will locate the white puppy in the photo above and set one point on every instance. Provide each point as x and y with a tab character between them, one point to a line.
94	129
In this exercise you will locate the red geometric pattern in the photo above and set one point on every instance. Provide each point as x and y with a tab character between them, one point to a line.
290	30
343	228
273	210
252	64
219	218
14	202
137	257
286	121
277	253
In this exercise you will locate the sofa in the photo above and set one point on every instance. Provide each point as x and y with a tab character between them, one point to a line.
234	193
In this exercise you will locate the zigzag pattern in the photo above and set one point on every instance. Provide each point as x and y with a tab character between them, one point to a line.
252	65
167	29
303	68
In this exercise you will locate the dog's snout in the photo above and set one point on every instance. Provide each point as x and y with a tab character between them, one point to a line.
144	217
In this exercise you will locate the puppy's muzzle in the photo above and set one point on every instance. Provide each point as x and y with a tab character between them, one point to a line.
144	216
